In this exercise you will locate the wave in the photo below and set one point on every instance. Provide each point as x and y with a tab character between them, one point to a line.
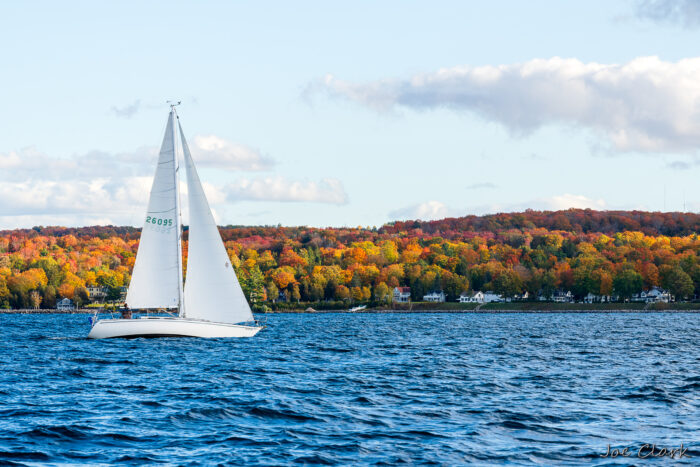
35	456
58	432
347	389
266	412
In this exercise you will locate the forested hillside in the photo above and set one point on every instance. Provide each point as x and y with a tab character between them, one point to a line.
578	250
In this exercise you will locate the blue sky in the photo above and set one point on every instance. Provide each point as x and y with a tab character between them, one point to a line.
350	113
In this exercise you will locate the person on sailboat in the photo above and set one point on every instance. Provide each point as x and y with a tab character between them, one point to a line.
126	312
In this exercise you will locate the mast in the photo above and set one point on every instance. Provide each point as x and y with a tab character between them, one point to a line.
178	215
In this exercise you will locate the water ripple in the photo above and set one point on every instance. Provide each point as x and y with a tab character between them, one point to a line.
360	389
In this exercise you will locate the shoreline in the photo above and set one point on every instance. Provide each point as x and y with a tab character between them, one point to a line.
483	312
490	310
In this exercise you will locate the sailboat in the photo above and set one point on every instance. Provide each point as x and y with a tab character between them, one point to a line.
211	302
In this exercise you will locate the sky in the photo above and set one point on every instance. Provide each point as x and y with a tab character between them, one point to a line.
350	113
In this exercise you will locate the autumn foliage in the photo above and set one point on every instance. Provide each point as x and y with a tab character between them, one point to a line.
584	251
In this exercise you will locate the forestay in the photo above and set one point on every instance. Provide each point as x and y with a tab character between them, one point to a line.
212	291
155	277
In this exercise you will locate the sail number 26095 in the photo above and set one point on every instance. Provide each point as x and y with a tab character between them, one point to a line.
158	221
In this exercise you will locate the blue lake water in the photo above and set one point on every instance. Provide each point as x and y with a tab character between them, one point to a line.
445	389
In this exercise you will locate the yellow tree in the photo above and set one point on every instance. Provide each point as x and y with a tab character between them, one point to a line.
342	293
283	277
35	299
381	293
356	294
66	291
366	293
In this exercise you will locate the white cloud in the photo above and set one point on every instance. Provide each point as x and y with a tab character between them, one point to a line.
212	151
208	151
435	210
127	111
99	187
214	194
549	203
31	164
98	196
567	201
430	210
646	104
26	221
93	187
685	12
328	190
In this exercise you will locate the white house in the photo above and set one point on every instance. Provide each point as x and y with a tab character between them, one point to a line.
97	292
563	297
558	296
521	297
480	297
476	297
639	297
492	297
402	294
592	298
659	295
65	304
434	297
655	295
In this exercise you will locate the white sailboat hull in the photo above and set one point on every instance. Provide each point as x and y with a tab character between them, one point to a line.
167	327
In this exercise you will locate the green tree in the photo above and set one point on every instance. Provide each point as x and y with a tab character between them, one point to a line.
331	290
19	287
549	283
4	293
266	261
679	283
508	283
627	282
389	252
256	285
113	294
51	268
108	280
316	291
381	293
295	295
455	285
695	275
584	282
273	292
49	299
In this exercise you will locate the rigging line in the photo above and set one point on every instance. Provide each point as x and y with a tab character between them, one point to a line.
161	212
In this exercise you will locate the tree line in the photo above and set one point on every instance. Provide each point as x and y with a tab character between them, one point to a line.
534	252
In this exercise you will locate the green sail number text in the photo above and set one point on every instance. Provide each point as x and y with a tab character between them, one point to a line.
158	221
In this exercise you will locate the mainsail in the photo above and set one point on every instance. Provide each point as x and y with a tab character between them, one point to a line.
212	291
156	280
